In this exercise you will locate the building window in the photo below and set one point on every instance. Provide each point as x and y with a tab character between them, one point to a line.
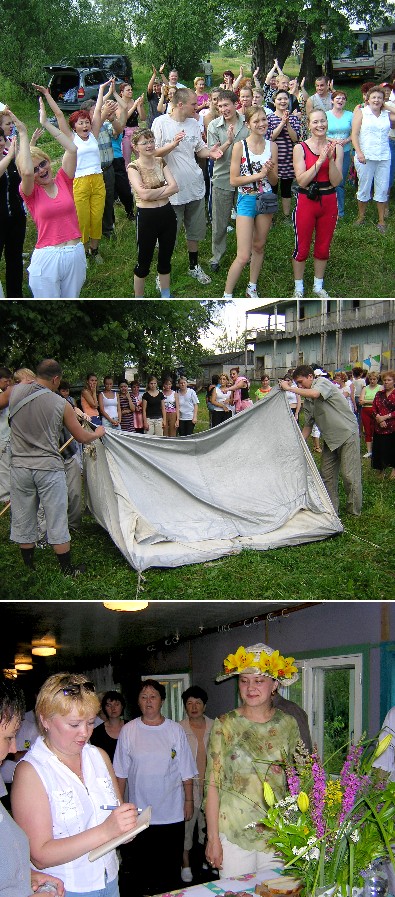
385	48
356	303
301	312
300	358
175	684
375	46
393	46
354	353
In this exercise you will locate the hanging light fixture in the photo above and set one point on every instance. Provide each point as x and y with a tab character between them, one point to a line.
45	646
11	673
23	662
125	605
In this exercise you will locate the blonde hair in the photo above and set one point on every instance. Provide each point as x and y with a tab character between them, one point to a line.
23	374
51	699
37	153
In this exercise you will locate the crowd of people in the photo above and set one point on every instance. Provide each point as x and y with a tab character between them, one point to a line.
40	452
168	151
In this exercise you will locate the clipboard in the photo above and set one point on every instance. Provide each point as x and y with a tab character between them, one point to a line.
143	823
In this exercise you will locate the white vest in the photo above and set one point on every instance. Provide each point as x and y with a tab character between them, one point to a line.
373	138
75	808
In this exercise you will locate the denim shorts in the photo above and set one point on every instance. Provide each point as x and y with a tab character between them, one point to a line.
246	205
110	890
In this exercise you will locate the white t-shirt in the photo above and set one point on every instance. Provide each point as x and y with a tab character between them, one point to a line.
155	760
181	160
187	402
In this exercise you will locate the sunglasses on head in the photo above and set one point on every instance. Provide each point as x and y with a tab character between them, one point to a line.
73	689
40	165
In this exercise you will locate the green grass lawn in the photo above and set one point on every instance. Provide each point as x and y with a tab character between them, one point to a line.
361	263
358	564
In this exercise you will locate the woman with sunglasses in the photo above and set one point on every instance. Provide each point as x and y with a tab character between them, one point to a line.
63	788
58	264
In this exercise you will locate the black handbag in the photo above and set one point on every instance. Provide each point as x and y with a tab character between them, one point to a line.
266	202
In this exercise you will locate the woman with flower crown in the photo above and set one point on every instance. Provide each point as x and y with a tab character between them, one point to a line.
246	753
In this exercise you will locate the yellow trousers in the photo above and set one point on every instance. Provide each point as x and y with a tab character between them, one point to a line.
89	197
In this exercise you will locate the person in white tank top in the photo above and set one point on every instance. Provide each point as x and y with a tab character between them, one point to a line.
253	170
109	405
65	789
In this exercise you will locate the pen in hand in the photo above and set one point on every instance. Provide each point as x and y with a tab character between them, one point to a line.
115	807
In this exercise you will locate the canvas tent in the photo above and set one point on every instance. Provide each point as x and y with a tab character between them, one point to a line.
249	483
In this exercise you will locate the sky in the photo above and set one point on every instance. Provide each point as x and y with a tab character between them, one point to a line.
232	316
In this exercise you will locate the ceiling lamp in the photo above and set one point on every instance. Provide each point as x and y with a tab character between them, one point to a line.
44	647
23	662
125	605
11	673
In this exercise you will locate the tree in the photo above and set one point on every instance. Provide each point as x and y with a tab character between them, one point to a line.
83	334
226	343
178	34
271	28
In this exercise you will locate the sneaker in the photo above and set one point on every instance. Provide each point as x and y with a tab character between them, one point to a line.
321	294
251	294
367	455
297	294
157	284
74	571
233	214
186	874
198	273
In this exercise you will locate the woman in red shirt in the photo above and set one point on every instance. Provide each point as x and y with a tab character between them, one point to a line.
58	264
383	409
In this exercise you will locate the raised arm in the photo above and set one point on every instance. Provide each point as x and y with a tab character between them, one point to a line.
69	160
63	125
96	118
5	160
25	161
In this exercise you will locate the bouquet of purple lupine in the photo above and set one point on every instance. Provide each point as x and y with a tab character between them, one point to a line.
329	830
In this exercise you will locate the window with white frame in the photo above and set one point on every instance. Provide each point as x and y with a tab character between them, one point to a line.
330	691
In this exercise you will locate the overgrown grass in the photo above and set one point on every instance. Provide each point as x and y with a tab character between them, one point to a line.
359	564
361	263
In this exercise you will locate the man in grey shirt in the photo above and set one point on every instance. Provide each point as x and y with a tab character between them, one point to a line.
326	406
226	131
37	415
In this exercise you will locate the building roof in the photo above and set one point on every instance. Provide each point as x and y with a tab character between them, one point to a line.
387	29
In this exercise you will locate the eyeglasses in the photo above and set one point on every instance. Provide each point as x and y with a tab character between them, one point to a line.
40	166
74	688
146	142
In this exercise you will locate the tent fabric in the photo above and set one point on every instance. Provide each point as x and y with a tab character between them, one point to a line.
248	483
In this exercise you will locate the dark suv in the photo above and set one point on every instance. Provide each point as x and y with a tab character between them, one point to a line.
113	64
70	86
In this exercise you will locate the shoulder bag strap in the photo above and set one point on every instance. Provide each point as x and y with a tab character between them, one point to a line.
26	400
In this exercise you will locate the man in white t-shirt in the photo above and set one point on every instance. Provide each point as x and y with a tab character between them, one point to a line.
188	203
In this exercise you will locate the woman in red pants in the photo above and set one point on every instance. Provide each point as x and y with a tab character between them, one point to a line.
318	170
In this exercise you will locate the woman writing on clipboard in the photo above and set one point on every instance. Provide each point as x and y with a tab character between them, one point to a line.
63	788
